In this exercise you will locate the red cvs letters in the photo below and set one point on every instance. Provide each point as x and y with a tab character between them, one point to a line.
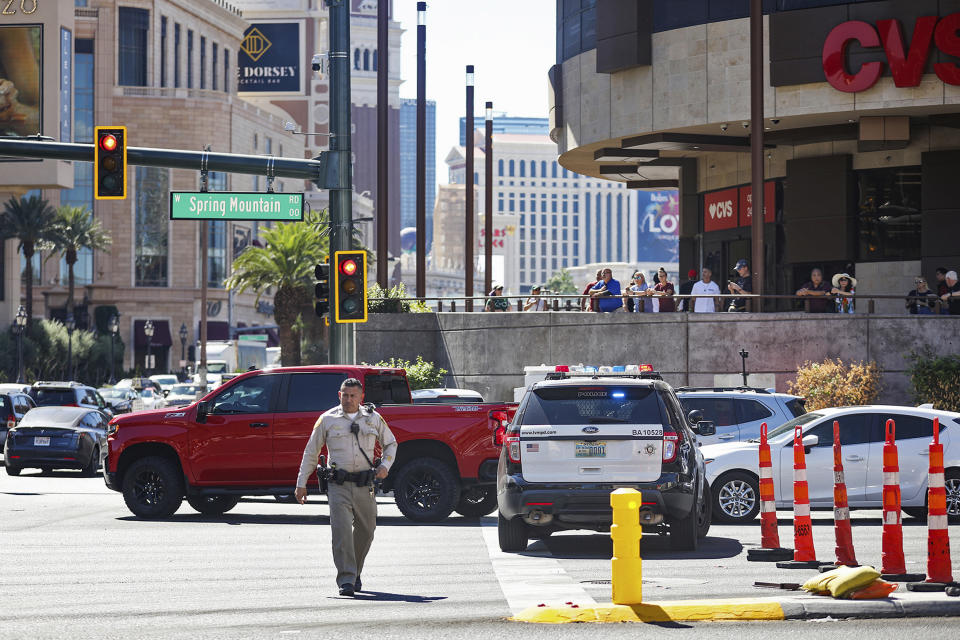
906	65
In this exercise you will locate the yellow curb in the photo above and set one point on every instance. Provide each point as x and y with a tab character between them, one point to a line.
678	610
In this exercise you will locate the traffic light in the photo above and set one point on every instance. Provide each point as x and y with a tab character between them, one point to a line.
350	293
322	273
110	163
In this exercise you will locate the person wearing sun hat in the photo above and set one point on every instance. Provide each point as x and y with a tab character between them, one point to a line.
844	286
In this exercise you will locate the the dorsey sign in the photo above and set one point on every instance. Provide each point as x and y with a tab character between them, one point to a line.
270	59
906	62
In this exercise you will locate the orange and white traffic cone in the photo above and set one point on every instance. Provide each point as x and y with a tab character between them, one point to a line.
893	566
841	507
939	575
771	550
804	555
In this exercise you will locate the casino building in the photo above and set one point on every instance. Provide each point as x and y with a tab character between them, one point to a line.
862	128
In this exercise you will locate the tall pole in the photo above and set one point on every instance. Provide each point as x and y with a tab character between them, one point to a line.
756	144
383	143
468	255
342	348
421	149
488	200
204	276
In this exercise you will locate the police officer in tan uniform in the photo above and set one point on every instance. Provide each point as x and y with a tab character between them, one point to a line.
350	433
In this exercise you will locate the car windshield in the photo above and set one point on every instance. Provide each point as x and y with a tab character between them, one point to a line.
112	394
165	379
54	397
572	405
216	367
183	389
787	427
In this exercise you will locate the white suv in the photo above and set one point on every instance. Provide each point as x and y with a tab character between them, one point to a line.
738	412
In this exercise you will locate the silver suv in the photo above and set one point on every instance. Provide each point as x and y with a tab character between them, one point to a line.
738	412
68	394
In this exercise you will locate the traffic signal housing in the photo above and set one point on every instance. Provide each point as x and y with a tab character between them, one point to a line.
350	292
110	163
322	273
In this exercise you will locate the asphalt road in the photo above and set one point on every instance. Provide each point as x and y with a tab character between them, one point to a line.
76	564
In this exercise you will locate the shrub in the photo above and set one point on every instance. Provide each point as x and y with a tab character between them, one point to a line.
935	379
420	374
835	384
393	302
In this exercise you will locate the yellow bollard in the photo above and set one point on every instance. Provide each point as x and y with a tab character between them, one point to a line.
626	576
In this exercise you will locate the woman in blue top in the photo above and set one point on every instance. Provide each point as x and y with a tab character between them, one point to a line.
642	304
843	287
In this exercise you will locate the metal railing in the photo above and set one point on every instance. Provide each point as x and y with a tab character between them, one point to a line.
577	302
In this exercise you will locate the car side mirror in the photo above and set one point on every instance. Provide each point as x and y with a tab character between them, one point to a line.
166	392
695	416
810	441
706	428
203	410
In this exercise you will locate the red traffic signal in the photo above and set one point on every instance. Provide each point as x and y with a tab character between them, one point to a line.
110	163
108	142
350	288
348	267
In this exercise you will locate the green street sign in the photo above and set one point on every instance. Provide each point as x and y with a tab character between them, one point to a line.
254	337
236	205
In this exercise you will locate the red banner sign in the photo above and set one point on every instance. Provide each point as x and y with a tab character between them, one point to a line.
769	203
720	210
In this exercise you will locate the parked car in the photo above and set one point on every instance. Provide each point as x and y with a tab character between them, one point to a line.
14	387
13	406
152	399
166	382
57	438
182	395
738	412
575	438
140	383
733	468
65	394
445	396
120	399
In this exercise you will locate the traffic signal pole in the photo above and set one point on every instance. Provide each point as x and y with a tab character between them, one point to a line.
342	345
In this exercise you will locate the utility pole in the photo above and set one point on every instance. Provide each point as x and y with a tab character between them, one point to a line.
342	346
756	148
383	143
421	149
488	200
468	257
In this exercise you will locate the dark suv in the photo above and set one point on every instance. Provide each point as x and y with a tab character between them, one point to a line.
575	439
68	394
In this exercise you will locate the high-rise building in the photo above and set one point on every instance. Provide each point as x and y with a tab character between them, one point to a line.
408	164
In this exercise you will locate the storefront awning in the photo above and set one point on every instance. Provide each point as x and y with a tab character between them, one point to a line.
687	142
161	334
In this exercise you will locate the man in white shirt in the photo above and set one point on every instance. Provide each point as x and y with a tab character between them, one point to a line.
705	287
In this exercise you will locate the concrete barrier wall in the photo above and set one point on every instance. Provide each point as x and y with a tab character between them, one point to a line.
487	351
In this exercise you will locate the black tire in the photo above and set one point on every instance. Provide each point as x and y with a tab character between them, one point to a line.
736	497
426	490
683	532
704	512
213	505
477	502
153	487
952	481
513	534
90	471
12	470
540	533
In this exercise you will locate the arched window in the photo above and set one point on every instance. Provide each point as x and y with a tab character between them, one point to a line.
543	168
356	59
374	59
500	167
564	172
553	171
512	165
366	60
523	169
533	168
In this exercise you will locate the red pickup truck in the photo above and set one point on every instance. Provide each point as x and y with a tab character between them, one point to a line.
247	437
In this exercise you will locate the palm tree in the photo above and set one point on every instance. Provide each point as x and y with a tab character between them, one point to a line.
75	230
32	221
286	261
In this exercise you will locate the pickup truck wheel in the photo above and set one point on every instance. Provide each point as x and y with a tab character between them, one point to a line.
213	505
426	490
13	471
93	466
153	488
477	502
736	497
513	534
704	512
683	532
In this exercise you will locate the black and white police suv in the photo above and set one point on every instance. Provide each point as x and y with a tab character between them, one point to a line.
576	438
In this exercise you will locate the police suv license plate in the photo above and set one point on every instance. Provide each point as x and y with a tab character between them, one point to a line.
41	441
583	449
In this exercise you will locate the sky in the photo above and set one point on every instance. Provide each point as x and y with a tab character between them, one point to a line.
511	43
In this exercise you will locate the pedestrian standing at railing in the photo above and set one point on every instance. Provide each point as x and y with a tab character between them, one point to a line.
743	284
705	287
607	292
952	296
685	289
496	301
586	292
637	293
844	286
535	302
921	300
818	288
664	291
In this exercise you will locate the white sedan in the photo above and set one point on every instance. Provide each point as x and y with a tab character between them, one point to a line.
733	468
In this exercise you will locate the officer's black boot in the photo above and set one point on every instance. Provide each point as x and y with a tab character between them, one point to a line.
346	589
358	585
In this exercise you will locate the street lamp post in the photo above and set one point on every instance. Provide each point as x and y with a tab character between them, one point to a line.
19	326
70	327
183	346
114	326
148	331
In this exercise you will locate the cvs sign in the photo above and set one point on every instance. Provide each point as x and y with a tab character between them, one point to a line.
906	64
720	210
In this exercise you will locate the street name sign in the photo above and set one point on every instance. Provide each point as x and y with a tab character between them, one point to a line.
253	337
236	205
